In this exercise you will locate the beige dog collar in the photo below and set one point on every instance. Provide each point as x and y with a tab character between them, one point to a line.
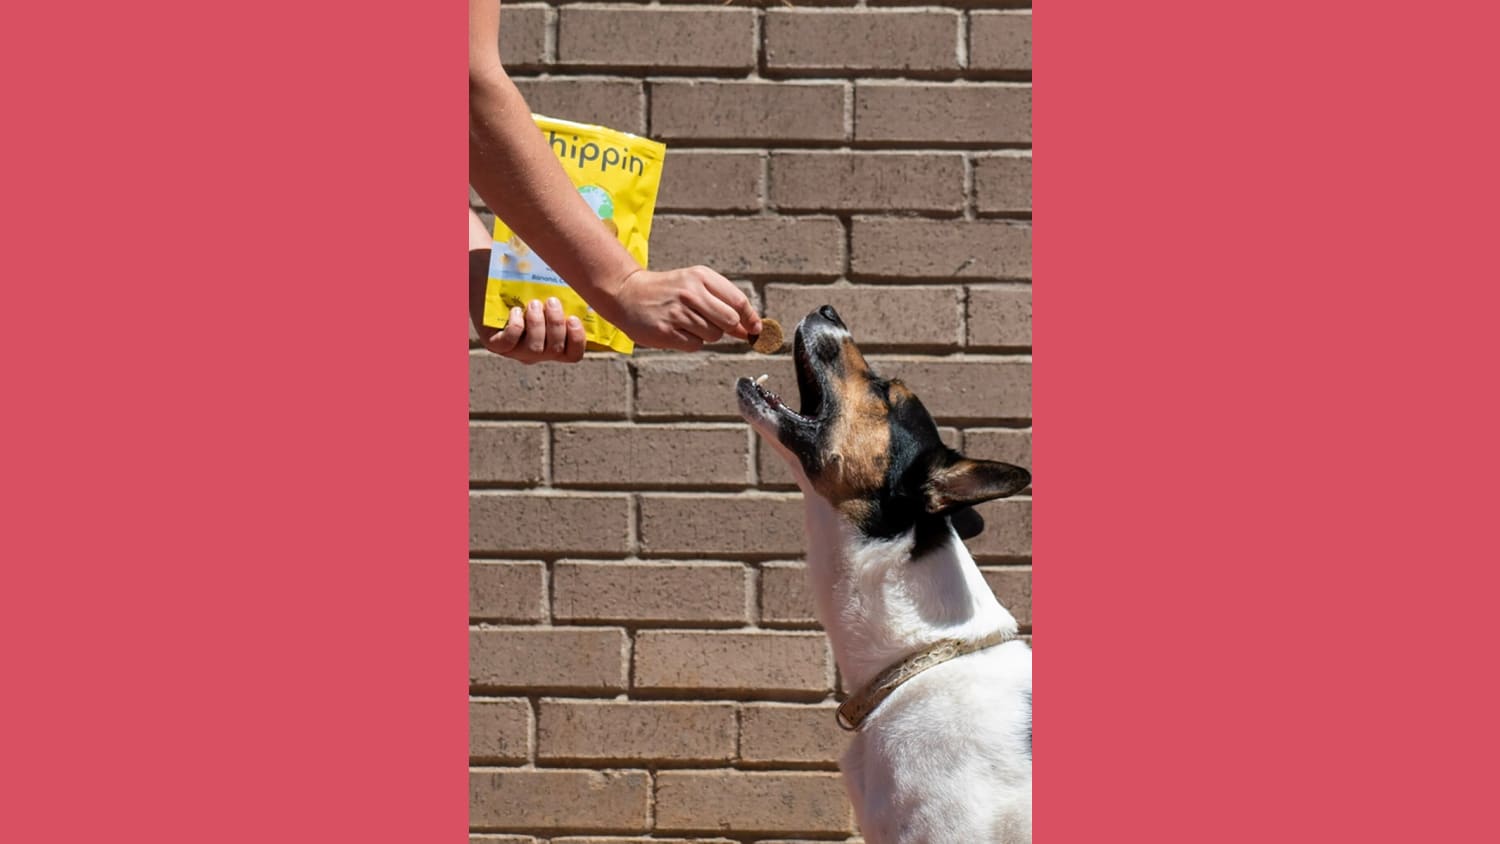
853	712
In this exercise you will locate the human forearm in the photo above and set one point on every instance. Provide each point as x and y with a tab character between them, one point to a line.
514	171
517	175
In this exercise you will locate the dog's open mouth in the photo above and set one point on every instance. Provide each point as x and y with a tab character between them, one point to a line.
770	398
754	394
755	389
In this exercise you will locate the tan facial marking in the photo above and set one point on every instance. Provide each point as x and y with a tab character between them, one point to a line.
859	442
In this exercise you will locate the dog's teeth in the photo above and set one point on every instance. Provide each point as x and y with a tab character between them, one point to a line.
762	379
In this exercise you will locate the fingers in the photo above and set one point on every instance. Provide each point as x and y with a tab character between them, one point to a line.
685	341
536	329
557	328
576	341
504	342
715	310
741	320
527	335
693	323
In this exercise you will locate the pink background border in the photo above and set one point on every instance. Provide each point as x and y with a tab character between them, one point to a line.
234	554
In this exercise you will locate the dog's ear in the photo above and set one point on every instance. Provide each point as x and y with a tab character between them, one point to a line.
968	523
965	482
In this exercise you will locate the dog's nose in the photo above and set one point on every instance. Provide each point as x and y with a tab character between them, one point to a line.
830	314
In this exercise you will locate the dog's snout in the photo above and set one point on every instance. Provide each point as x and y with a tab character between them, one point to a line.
828	313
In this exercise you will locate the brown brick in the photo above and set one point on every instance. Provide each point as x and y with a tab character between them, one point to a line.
975	114
840	42
758	664
878	315
867	181
500	731
702	386
507	452
973	388
1013	587
595	386
786	597
1011	445
774	473
736	526
616	103
656	39
790	734
559	659
506	591
634	456
807	802
699	180
801	247
904	248
1000	317
1007	531
1000	40
1002	183
542	800
532	523
502	839
637	593
625	732
775	112
523	37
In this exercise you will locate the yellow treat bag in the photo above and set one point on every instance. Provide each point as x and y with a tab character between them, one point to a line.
618	175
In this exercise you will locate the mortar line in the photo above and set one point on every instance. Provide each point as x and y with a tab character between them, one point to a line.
549	35
971	186
548	596
548	450
633	529
963	40
759	70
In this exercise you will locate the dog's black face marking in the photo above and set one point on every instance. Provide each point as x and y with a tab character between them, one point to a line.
868	445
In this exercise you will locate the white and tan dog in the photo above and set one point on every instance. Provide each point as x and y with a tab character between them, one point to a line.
942	747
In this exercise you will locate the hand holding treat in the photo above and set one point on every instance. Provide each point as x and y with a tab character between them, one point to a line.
681	309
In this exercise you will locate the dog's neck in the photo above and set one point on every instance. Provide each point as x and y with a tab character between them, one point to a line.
879	604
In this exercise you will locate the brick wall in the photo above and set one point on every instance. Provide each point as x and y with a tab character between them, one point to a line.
644	661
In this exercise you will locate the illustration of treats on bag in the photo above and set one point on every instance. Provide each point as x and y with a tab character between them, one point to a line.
617	174
513	260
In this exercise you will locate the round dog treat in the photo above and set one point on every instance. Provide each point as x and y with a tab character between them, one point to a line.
769	341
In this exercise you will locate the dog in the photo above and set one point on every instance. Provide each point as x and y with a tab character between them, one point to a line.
941	751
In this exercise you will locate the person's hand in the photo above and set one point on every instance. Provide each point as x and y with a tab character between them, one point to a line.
539	334
682	309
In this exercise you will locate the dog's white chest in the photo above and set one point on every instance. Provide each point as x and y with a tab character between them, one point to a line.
947	758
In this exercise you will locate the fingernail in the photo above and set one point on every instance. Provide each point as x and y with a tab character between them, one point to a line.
574	322
553	303
534	307
515	313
